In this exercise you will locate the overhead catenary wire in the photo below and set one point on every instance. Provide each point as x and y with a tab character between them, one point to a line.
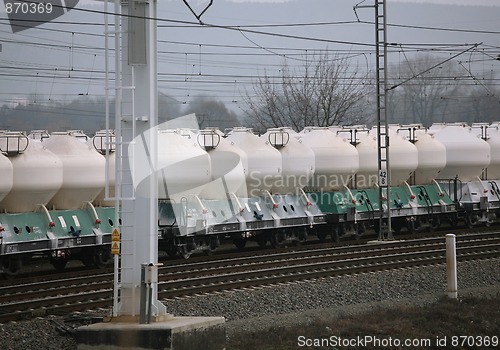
207	63
432	67
473	77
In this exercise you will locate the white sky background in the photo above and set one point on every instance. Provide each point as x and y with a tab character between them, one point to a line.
196	60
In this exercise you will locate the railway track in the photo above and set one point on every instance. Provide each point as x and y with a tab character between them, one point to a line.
84	290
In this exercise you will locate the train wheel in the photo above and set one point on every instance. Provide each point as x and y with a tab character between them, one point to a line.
322	236
261	240
376	226
301	236
169	246
240	243
335	234
59	264
490	219
411	226
397	226
361	228
435	224
208	252
88	260
184	253
98	257
214	243
471	220
277	239
103	257
171	251
12	266
453	219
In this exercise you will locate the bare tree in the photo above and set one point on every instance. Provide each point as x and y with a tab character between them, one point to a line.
423	97
168	107
212	113
324	91
482	102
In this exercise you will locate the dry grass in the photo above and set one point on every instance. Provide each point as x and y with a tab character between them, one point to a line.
470	316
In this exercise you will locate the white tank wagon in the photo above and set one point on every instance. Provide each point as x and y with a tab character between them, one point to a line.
431	153
98	142
264	161
83	171
336	160
403	156
467	155
38	173
229	165
297	159
48	211
184	167
189	162
183	172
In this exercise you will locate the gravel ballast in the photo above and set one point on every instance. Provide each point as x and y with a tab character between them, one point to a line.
286	304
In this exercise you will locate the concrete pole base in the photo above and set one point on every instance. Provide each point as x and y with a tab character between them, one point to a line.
174	333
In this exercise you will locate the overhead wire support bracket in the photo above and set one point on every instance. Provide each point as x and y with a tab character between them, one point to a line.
198	16
359	6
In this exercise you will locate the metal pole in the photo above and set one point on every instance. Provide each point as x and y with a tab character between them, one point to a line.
143	296
451	265
385	231
387	163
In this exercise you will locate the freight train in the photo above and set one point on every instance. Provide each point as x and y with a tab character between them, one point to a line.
279	187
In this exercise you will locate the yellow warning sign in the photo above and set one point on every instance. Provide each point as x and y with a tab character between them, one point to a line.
115	248
115	236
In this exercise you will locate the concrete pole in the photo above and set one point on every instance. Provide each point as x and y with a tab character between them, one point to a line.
451	265
138	123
